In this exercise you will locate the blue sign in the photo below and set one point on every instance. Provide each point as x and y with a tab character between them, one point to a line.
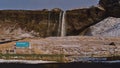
22	44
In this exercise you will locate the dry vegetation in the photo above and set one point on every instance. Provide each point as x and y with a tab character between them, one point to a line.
74	45
82	46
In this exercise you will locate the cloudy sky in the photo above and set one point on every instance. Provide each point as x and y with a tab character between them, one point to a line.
48	4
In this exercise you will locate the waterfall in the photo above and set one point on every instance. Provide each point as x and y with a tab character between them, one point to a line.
63	29
48	24
59	26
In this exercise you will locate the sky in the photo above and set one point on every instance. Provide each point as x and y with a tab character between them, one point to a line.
45	4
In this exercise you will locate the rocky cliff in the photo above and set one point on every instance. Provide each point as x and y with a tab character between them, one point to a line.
44	23
79	19
41	23
110	25
112	7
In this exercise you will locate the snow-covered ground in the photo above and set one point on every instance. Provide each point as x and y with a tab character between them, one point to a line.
108	27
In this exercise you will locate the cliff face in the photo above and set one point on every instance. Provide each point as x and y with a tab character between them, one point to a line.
112	7
41	23
44	23
79	19
110	25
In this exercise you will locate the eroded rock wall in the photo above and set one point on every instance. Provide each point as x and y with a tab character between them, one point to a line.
80	19
112	7
41	23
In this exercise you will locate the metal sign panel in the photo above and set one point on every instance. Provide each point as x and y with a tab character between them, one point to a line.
22	44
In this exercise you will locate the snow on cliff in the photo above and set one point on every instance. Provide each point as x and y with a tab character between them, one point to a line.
108	27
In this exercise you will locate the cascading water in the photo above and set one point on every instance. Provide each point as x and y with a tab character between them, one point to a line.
59	26
48	26
63	29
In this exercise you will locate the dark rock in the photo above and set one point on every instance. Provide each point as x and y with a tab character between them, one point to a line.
41	23
112	7
112	43
80	19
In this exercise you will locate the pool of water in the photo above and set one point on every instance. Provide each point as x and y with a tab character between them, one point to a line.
61	65
115	59
110	62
